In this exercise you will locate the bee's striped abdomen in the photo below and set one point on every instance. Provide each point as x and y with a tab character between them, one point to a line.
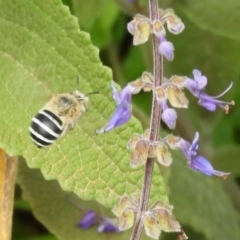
45	128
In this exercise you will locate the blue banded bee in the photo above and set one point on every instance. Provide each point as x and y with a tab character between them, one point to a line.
57	117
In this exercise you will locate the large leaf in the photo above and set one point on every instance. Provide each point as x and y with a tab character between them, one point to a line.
42	52
202	203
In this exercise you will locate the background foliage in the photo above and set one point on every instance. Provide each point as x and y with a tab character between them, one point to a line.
42	51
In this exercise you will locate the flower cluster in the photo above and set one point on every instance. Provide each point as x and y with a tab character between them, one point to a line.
142	149
156	219
141	27
171	90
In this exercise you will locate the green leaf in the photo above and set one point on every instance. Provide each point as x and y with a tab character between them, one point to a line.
41	55
221	18
201	202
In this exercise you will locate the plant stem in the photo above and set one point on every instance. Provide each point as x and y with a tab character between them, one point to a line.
154	128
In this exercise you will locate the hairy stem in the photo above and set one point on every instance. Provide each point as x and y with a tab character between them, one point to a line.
154	128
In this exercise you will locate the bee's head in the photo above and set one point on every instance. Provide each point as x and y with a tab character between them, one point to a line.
80	96
83	99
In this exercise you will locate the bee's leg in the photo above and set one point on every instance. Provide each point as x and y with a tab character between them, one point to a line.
67	128
64	131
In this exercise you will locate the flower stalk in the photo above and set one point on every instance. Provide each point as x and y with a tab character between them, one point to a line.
147	147
154	127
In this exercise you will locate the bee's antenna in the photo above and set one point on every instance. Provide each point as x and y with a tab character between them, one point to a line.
92	93
87	93
77	82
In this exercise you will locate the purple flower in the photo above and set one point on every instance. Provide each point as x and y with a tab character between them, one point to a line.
201	164
169	116
122	113
88	220
108	226
166	48
104	224
197	162
196	87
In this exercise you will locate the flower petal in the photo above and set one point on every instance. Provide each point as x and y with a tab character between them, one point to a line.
169	116
121	116
123	204
201	164
88	220
167	220
108	225
115	93
164	157
142	32
126	220
140	154
151	226
177	97
131	145
166	49
174	24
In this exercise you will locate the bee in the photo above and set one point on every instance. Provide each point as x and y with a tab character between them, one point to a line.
57	117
